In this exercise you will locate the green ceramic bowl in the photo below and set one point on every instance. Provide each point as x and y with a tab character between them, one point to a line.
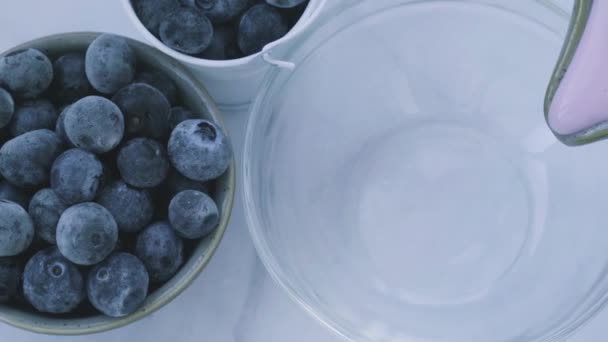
193	95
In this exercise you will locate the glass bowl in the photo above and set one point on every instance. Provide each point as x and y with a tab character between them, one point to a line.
402	185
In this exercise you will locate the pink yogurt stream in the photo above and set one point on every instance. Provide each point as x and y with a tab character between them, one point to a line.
581	100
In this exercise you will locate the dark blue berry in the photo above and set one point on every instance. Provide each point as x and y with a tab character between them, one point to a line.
118	286
14	194
32	115
70	82
199	150
26	160
152	12
160	81
45	209
95	124
60	127
186	30
132	208
223	45
176	183
143	163
86	233
146	110
10	278
161	251
285	3
26	74
76	176
51	283
110	63
178	115
260	25
16	229
7	107
193	214
222	11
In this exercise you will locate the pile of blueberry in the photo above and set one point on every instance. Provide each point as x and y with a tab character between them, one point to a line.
219	29
104	198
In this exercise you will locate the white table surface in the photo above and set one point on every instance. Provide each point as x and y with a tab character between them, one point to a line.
233	300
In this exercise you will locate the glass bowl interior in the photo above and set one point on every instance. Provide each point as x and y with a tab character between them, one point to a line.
402	185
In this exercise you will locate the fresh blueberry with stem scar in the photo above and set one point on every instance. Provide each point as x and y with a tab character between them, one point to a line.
86	233
143	163
146	110
14	194
32	115
26	74
45	209
186	30
161	251
25	161
193	214
260	25
16	229
160	81
76	176
70	82
118	286
222	11
132	208
7	107
95	124
199	150
152	12
51	283
110	63
10	279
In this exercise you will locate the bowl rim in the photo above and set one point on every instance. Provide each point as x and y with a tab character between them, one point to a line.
82	326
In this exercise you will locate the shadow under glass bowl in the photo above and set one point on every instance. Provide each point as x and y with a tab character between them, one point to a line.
193	96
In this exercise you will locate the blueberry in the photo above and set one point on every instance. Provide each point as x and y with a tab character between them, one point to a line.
110	63
86	233
13	194
160	81
76	176
193	214
16	229
199	150
145	109
143	163
10	278
186	30
70	82
178	115
45	209
27	73
119	285
7	107
60	127
51	283
177	183
95	124
152	12
26	160
132	208
260	25
285	3
161	251
223	45
222	11
32	115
